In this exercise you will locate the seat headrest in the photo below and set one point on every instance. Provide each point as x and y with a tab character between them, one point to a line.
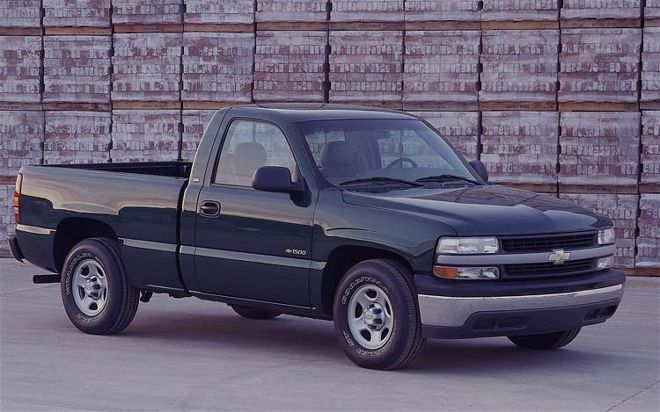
251	152
339	153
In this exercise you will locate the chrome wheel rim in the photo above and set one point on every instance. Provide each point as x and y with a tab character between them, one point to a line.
90	287
370	317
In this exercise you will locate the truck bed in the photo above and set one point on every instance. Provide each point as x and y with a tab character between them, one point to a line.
140	203
171	169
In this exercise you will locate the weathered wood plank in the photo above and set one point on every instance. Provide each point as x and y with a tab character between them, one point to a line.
194	122
289	66
651	65
7	224
441	66
225	11
599	65
648	242
367	10
516	10
366	66
599	9
78	13
77	69
599	149
622	209
145	135
520	147
146	66
77	137
20	69
20	13
291	11
153	11
217	66
519	66
650	156
21	137
446	10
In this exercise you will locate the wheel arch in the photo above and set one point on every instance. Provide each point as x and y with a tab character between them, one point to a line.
73	230
342	258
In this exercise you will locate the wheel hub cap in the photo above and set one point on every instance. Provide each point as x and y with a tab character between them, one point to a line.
90	291
373	317
93	288
370	317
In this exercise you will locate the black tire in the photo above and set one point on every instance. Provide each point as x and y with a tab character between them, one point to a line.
254	313
122	299
546	341
405	339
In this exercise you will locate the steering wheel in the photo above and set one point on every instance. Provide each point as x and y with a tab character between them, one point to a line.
401	161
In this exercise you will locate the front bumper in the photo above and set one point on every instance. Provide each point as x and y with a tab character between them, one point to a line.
559	305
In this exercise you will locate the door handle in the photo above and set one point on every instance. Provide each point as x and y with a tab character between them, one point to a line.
209	208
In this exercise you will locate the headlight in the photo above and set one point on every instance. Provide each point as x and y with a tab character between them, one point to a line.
604	262
467	245
466	272
606	236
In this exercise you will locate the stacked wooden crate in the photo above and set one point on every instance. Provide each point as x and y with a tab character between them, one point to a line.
561	97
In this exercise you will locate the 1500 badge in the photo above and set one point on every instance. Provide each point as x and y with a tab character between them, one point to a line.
299	252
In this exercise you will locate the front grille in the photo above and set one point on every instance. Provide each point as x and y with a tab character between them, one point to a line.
549	269
548	243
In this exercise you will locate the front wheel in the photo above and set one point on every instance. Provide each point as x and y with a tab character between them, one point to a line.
376	317
546	341
97	296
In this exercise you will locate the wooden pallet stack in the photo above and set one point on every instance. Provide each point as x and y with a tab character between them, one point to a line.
561	97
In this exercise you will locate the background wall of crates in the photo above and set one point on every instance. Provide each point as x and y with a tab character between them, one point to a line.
558	96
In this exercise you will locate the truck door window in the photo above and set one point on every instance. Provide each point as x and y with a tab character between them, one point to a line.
248	146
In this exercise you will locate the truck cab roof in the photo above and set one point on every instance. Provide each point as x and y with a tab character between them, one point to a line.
301	112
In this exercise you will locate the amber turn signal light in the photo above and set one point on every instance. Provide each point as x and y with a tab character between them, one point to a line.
445	272
466	272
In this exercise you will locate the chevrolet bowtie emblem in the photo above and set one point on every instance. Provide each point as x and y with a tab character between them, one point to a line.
558	256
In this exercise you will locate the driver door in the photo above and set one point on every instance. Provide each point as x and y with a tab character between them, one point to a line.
252	244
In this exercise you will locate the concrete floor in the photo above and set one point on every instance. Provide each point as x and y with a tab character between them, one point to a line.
190	354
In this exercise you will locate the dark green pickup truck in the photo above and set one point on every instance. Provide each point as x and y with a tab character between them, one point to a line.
367	217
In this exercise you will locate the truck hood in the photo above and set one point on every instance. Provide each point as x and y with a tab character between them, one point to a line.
485	210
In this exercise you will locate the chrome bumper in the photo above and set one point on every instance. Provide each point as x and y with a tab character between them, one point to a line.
448	311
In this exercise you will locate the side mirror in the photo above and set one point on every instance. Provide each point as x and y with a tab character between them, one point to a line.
275	179
480	168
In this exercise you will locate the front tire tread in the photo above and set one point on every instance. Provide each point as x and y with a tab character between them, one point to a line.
399	281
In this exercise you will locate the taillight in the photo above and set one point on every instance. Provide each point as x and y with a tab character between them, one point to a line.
17	198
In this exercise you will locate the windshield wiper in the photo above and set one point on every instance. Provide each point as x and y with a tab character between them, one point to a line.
379	180
446	177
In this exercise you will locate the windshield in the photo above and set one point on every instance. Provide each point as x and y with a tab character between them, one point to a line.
358	150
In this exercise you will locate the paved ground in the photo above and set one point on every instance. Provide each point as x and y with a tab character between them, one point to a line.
190	354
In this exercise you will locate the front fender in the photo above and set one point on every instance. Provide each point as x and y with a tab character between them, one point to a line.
410	236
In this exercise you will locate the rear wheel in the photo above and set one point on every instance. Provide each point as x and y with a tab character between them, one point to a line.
376	317
253	313
546	341
97	297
